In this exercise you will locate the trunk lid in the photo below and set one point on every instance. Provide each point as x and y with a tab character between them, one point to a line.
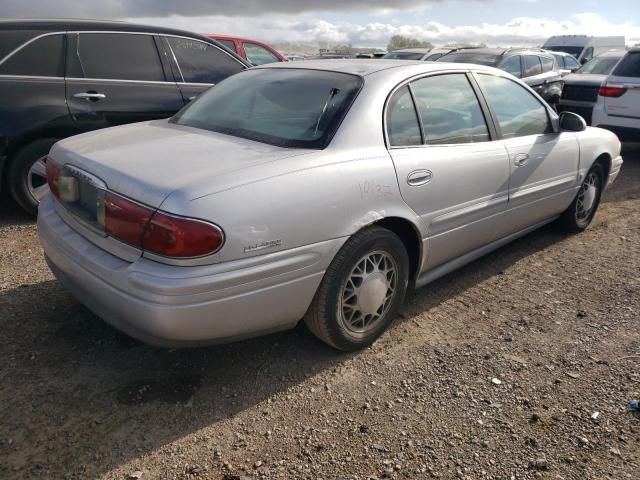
148	161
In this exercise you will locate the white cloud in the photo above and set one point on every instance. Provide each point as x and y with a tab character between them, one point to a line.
308	28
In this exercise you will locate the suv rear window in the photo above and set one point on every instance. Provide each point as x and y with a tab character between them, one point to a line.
280	106
201	62
43	57
119	56
629	66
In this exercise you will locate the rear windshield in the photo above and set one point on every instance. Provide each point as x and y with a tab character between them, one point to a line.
575	51
286	107
404	55
471	57
599	65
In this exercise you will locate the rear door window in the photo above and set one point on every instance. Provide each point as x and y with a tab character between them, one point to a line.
560	60
532	65
403	128
513	65
119	56
629	66
449	110
201	62
43	57
547	64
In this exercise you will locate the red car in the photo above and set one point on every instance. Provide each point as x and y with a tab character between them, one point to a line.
253	51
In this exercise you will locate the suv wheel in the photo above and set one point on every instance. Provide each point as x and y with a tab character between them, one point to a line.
26	176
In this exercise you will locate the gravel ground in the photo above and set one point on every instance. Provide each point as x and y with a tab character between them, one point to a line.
517	366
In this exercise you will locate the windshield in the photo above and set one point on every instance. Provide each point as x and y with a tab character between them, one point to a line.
471	57
599	65
404	55
575	51
286	107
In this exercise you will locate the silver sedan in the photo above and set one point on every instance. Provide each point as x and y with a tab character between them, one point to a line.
319	191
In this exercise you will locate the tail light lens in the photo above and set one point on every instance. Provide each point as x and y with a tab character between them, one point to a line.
614	91
158	232
53	176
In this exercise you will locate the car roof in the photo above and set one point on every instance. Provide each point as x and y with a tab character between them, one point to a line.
53	25
412	50
364	67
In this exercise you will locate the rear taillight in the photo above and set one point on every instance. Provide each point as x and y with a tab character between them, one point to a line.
53	176
124	219
158	232
614	91
181	237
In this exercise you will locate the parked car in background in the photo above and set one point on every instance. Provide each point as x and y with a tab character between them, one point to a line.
536	67
59	78
253	51
423	54
584	47
294	58
618	105
318	191
581	89
566	62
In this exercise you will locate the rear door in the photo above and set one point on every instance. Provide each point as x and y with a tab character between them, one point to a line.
200	65
117	78
624	83
449	170
544	163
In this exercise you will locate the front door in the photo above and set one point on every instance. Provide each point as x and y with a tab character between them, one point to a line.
449	170
543	164
117	78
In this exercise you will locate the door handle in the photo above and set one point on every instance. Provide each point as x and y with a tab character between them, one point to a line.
521	160
90	96
419	177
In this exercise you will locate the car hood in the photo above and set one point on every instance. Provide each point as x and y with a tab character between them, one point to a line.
584	79
150	160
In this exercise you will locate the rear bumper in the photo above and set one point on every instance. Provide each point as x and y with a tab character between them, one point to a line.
626	128
184	306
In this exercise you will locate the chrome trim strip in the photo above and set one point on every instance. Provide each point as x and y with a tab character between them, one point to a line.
83	79
34	77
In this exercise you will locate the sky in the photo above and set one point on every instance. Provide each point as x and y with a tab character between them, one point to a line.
361	23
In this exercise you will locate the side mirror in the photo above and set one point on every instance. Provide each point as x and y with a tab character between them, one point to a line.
572	122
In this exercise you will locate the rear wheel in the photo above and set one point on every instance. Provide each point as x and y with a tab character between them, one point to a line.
26	176
583	208
362	290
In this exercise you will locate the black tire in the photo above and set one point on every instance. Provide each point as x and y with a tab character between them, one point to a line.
326	318
18	172
572	219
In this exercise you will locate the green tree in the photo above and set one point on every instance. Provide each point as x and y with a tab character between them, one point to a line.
400	41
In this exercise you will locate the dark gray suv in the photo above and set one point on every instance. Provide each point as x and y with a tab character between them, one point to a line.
64	77
537	68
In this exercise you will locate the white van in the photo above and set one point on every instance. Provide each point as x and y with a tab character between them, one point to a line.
584	47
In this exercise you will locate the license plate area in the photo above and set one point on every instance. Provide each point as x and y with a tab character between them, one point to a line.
83	194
